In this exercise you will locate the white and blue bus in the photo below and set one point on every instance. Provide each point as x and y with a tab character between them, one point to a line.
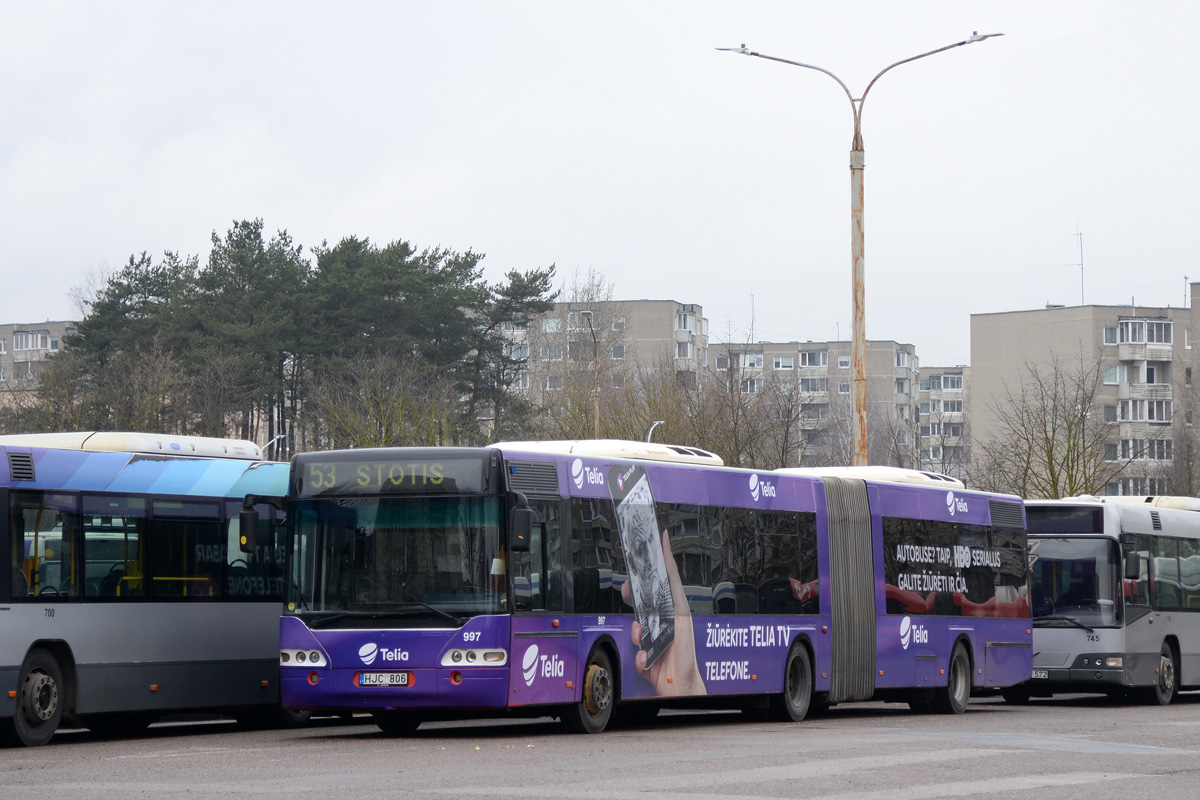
124	593
583	579
1115	585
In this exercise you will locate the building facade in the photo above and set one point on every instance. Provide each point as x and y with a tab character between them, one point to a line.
24	348
1140	360
944	433
808	385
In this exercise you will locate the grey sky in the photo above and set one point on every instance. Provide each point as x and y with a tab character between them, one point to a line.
613	136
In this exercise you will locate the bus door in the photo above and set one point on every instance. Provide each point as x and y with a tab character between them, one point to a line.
544	657
852	587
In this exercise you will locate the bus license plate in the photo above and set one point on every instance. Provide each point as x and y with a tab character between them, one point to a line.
1041	673
383	679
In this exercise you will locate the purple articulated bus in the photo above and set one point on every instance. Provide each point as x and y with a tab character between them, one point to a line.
584	580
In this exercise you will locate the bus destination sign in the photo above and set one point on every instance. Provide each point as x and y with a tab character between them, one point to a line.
373	476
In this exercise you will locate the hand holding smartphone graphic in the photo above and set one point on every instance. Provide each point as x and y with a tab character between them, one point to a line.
663	628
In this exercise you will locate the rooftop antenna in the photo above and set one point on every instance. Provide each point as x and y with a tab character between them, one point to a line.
1080	265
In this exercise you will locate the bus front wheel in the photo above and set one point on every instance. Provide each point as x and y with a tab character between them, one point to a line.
1167	686
953	699
592	713
39	700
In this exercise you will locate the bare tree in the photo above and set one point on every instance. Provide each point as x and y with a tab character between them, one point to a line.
1052	439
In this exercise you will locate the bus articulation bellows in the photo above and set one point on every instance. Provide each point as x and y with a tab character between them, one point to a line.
583	579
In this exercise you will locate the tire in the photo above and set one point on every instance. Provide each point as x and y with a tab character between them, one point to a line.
118	725
792	704
40	695
396	723
592	713
1016	695
272	718
954	697
1166	688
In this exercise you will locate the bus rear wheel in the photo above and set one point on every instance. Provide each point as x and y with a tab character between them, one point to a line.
1166	687
592	713
792	704
953	699
39	700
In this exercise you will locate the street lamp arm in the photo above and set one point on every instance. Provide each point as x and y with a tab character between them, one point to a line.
745	52
974	37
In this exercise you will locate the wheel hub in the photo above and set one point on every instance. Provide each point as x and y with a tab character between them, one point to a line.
39	697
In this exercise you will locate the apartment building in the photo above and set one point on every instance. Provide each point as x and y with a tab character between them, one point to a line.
24	348
943	431
1145	396
606	342
814	378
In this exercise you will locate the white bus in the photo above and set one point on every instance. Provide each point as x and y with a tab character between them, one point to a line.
1115	590
124	594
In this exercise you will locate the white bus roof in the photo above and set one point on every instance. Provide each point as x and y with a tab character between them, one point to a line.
883	474
618	448
149	443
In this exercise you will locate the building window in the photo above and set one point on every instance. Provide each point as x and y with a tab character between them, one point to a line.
685	321
618	352
521	381
901	358
752	385
843	362
1187	374
517	351
1110	451
1158	332
552	352
618	380
1110	334
551	325
814	384
814	358
3	345
785	362
901	385
952	406
843	387
1114	374
1133	331
20	341
553	382
1110	413
685	350
722	363
952	383
752	360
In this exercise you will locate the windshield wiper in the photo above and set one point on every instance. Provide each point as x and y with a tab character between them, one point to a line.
395	609
1063	618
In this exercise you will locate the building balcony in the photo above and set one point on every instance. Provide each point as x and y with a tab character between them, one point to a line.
1144	391
1141	351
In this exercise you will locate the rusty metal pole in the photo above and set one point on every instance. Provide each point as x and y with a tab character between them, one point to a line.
858	348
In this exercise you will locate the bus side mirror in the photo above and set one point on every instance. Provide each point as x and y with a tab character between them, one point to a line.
1133	565
520	530
248	530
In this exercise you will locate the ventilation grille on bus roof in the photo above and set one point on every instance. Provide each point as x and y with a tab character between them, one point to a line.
20	466
1007	514
1155	521
533	477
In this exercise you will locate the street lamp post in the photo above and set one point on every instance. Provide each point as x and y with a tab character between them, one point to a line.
858	349
596	365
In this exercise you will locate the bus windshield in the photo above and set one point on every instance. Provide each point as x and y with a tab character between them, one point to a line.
1075	581
408	560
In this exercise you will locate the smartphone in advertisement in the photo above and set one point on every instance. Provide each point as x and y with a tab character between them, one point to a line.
641	541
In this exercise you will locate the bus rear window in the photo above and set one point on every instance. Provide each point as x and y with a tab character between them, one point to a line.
1064	519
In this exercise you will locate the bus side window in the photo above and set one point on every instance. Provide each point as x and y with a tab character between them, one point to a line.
1189	573
529	571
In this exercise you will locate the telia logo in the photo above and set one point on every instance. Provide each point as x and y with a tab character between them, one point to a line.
955	503
581	474
529	664
912	634
760	488
370	651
